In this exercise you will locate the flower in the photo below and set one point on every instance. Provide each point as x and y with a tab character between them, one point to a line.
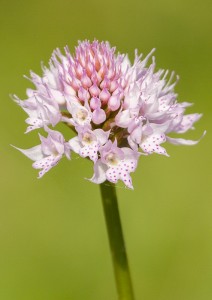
115	163
89	142
49	152
118	110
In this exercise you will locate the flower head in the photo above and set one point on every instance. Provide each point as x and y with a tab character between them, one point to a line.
118	110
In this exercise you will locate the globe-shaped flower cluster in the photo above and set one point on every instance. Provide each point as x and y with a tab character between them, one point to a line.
118	110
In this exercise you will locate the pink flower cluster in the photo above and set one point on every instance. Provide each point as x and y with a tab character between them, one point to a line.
118	110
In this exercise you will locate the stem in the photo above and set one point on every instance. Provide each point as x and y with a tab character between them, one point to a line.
116	239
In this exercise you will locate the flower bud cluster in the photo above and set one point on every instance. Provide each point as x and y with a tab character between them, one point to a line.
118	110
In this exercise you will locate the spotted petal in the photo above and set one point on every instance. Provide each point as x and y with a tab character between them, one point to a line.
187	122
122	172
152	143
90	150
46	164
124	168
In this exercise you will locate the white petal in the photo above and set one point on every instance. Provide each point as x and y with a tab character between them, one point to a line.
99	175
102	136
75	144
58	96
136	134
123	119
125	64
132	98
180	141
130	154
33	153
132	144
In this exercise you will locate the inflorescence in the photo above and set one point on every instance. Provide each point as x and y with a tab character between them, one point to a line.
118	110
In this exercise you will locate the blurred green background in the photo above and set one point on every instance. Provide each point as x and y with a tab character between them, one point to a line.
53	242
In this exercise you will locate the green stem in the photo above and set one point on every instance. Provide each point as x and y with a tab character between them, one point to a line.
116	239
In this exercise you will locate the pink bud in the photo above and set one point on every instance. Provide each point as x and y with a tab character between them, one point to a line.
95	103
113	86
81	57
114	102
111	72
123	83
69	90
119	93
75	83
83	94
105	83
104	96
79	70
95	77
71	71
82	61
86	82
97	63
98	116
94	90
102	71
89	68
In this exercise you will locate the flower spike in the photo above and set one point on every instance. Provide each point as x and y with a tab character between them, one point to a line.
118	110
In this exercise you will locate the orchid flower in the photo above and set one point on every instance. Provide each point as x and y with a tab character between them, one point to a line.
49	152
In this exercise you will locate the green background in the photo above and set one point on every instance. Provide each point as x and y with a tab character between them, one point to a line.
53	242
